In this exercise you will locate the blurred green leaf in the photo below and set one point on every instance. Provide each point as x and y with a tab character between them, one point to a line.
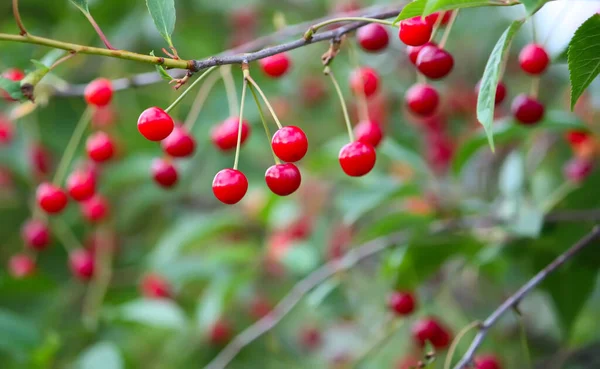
512	174
163	15
216	298
397	152
301	258
412	9
393	222
82	5
526	219
154	313
161	70
12	88
102	355
18	335
437	5
533	6
584	57
44	355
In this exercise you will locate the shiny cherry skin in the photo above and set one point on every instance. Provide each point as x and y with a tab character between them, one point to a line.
487	362
422	99
7	130
95	209
81	263
373	37
13	74
100	147
369	132
365	79
220	332
224	135
164	173
434	62
98	92
290	143
429	329
276	65
576	138
415	31
21	266
81	184
155	124
500	92
402	303
229	186
527	110
283	179
50	198
179	143
577	170
155	286
413	51
357	158
534	59
35	234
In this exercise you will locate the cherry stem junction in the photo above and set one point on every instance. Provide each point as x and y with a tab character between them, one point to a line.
198	80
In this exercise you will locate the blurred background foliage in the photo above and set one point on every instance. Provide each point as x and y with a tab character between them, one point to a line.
227	265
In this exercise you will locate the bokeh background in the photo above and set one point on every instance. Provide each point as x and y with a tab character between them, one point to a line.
227	265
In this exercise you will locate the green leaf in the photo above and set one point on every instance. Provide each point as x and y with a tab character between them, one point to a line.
437	5
161	70
533	6
584	57
82	5
562	58
163	15
411	10
154	313
491	77
18	335
396	151
12	88
102	355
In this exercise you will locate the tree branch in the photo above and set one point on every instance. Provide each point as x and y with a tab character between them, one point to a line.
15	6
514	300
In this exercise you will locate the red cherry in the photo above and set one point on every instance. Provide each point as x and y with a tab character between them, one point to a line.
35	234
413	51
357	158
155	286
432	18
7	130
21	266
487	362
576	138
155	124
500	92
577	169
230	186
373	37
527	110
283	179
434	62
224	135
164	173
310	338
100	147
402	303
81	262
95	209
312	90
275	65
244	18
50	198
422	99
365	79
220	332
534	59
81	185
103	117
290	143
179	143
14	74
415	31
429	329
369	132
98	92
40	160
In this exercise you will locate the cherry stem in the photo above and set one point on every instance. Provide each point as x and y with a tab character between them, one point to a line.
67	157
314	28
448	29
262	95
421	78
230	90
363	106
533	28
264	122
199	101
98	30
17	15
524	340
535	86
66	236
239	136
436	26
198	80
61	60
328	72
557	196
456	341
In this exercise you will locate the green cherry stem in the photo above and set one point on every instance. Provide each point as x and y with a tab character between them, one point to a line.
63	166
314	28
262	95
198	80
239	137
230	90
436	25
328	72
264	122
456	341
448	29
535	86
363	106
199	101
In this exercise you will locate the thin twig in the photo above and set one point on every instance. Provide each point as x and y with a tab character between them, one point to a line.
514	300
98	31
17	15
61	60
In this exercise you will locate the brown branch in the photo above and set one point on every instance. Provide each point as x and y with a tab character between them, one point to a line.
17	15
514	300
98	31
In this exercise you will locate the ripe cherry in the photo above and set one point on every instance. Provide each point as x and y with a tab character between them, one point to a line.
220	332
40	160
500	92
224	136
527	110
283	179
429	329
577	169
81	262
7	130
357	158
100	147
164	172
21	266
230	186
487	362
14	74
365	79
155	286
402	303
36	234
95	209
415	31
98	92
369	132
290	143
434	62
179	143
413	51
373	37
310	338
534	59
432	18
81	185
155	124
275	65
50	198
422	99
